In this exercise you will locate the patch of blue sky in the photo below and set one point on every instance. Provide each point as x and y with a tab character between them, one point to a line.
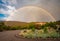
1	2
3	15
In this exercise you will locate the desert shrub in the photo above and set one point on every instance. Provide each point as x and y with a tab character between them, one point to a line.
37	26
15	28
2	23
1	29
32	26
24	27
58	22
50	24
39	34
54	34
2	26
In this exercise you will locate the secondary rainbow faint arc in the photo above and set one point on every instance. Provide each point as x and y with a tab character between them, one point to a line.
38	8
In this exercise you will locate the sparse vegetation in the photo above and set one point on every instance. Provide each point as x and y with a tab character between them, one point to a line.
47	30
32	30
38	34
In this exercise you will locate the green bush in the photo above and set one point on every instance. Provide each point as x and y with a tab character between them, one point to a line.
32	26
15	28
2	26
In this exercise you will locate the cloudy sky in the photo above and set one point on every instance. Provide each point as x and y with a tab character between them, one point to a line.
9	7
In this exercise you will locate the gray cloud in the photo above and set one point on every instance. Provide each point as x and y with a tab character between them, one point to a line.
7	8
52	6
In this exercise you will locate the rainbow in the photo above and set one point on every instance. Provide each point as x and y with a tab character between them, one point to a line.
47	13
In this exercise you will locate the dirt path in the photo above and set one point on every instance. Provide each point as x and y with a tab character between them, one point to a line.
11	36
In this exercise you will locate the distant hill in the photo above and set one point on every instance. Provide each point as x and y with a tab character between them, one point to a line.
17	23
14	23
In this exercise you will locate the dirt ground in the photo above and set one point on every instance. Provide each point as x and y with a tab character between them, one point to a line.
11	36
